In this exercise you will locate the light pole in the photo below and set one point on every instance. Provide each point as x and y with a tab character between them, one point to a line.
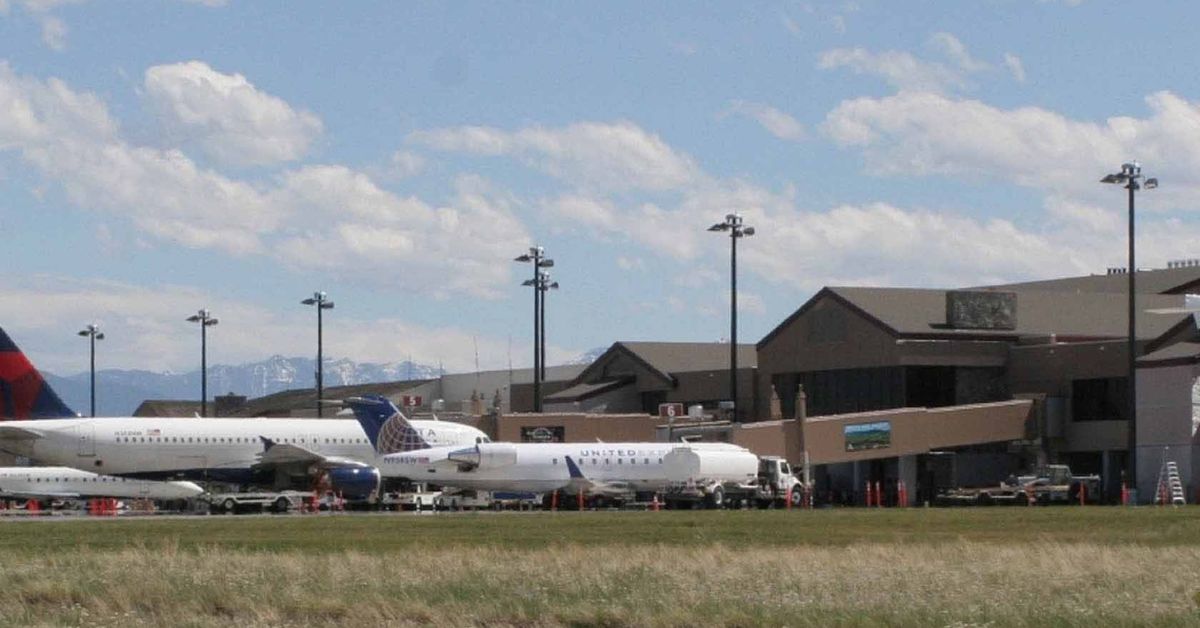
737	229
92	331
544	285
206	320
1130	177
537	257
321	300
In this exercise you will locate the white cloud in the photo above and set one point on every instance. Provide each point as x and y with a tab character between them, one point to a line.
954	50
54	33
1014	65
405	164
905	72
227	116
322	218
608	156
899	69
144	329
776	122
922	134
631	263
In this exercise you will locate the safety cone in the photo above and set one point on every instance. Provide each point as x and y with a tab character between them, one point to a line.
554	501
654	505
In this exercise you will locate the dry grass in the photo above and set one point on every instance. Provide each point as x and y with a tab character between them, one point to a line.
952	584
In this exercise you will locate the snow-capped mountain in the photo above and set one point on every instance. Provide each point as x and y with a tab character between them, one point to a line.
119	392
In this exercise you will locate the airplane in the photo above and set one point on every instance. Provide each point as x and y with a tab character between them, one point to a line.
201	449
68	483
596	468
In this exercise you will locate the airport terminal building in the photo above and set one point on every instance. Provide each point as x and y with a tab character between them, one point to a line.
932	387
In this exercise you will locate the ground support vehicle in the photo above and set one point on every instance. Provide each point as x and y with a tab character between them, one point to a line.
773	487
418	500
273	501
1053	484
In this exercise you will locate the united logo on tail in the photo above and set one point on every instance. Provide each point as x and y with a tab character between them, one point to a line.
386	427
23	392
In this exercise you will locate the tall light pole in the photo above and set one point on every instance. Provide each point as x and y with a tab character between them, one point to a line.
737	229
1130	177
544	286
321	300
537	257
206	320
92	331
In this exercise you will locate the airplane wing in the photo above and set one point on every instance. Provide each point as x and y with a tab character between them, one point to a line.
275	454
16	432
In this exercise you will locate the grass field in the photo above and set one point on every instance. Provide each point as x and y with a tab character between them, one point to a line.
996	567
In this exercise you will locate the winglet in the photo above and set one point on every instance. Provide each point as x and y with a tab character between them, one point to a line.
573	469
24	394
387	428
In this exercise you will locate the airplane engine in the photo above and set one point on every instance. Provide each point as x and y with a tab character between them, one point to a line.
684	463
486	455
354	482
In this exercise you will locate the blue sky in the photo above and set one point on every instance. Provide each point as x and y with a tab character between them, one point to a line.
159	157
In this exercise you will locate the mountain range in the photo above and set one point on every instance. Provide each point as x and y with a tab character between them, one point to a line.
120	392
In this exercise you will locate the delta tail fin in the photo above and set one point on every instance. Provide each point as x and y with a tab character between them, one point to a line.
24	394
387	428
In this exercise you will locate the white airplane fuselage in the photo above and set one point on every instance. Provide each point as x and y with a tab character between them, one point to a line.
542	467
51	482
197	448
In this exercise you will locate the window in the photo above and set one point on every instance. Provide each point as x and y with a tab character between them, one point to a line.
1104	399
554	461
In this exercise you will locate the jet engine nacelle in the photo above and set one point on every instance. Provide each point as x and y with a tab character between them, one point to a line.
354	482
486	455
726	465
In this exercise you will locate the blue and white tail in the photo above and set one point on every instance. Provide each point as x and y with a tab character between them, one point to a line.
387	428
23	392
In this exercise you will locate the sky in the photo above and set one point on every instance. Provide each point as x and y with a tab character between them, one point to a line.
161	157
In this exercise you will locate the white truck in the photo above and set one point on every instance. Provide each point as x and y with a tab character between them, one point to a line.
772	485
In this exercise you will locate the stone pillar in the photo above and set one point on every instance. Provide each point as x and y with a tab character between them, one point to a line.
906	471
801	417
476	403
776	408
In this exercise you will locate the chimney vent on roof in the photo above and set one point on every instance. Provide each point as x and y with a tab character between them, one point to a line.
1116	270
981	309
1183	263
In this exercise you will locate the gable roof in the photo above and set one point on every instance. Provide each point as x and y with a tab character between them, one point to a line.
1153	281
919	312
664	359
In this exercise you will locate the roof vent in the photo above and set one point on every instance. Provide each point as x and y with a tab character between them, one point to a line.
1183	263
981	309
1116	270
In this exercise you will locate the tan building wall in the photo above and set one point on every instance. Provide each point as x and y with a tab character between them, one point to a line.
919	430
579	428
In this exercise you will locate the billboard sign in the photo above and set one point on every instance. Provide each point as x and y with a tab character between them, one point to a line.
863	436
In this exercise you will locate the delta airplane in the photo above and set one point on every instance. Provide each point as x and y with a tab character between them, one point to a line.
597	468
68	483
202	449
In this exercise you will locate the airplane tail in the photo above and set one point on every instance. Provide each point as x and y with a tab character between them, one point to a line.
387	428
23	392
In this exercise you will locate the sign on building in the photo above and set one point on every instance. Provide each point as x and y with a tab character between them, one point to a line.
410	401
862	436
670	410
542	433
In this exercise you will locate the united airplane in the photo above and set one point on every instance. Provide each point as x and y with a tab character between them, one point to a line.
201	449
542	467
